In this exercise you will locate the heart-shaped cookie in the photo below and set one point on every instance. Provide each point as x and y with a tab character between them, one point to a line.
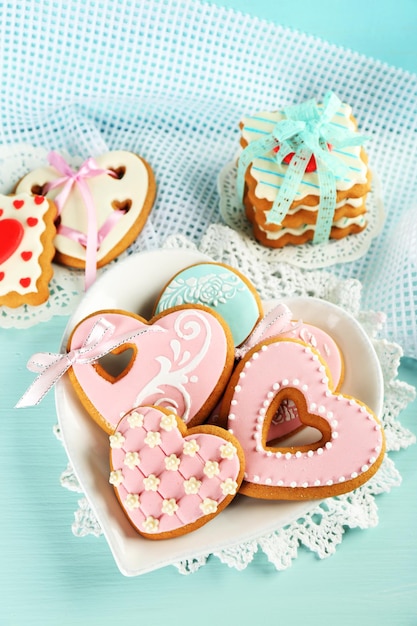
26	249
170	480
122	201
352	443
181	359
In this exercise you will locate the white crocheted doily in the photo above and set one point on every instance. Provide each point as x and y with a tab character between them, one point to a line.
322	528
312	256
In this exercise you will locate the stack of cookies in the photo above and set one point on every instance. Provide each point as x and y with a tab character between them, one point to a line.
264	178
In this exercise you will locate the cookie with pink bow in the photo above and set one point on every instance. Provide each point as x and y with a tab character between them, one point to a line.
102	205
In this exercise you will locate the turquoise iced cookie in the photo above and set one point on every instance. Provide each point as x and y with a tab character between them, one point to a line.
219	287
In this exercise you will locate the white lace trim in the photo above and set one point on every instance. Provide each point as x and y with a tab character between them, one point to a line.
321	530
312	256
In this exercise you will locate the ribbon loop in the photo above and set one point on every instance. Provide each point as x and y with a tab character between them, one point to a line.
51	367
70	178
306	132
277	321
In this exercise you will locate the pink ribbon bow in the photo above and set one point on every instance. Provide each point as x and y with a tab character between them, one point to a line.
277	321
69	178
51	367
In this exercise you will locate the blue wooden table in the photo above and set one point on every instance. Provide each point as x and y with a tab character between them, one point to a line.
50	577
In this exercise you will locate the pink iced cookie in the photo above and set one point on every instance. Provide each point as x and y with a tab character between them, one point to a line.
181	359
278	323
352	444
170	480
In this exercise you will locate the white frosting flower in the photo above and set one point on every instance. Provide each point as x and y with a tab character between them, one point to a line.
169	507
153	439
191	447
168	422
135	420
192	485
172	462
228	487
150	525
132	501
151	483
208	506
211	468
132	460
117	440
116	478
228	451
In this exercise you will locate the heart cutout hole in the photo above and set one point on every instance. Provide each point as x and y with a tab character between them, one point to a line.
118	172
116	364
38	190
122	205
304	431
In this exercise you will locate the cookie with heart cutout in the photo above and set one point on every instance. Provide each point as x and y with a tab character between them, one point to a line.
26	249
103	205
351	442
171	480
181	359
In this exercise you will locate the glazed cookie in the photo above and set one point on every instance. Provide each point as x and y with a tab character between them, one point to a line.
351	446
26	250
278	323
168	479
219	287
303	174
105	203
181	359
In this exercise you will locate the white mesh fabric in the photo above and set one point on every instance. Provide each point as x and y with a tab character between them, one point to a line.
170	80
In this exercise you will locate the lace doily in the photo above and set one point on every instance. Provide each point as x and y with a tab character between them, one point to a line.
322	529
308	255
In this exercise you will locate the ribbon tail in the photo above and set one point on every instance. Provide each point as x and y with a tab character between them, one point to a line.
92	235
43	383
327	206
289	187
277	321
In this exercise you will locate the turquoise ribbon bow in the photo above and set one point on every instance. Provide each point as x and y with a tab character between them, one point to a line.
306	131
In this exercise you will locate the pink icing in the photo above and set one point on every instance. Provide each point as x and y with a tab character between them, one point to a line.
336	464
167	368
207	450
287	419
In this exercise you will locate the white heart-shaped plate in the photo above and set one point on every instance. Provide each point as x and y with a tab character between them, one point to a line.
133	285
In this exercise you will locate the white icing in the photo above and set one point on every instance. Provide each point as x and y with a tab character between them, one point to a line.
151	483
153	439
172	462
192	486
208	506
187	327
169	507
344	222
135	420
190	447
116	440
211	469
105	189
228	450
15	267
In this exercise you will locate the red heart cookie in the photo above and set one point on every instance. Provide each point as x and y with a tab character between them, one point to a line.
352	444
170	480
181	359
